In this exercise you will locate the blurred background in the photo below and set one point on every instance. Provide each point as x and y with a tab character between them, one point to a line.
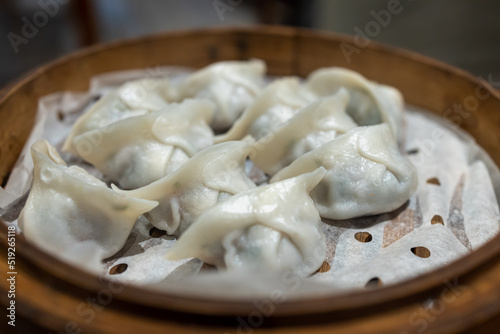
463	33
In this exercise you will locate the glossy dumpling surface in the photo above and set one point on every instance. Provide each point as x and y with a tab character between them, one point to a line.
370	103
271	227
276	104
366	174
139	150
210	176
133	98
318	123
231	85
67	208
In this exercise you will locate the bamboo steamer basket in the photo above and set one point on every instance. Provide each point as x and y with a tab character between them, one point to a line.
49	292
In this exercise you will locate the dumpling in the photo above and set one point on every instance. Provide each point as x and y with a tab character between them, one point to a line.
271	227
318	123
133	98
210	176
366	174
69	209
231	85
142	149
276	104
370	103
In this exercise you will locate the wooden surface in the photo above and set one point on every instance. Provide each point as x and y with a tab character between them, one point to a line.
466	293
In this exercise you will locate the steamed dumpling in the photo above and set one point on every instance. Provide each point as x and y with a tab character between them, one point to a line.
271	227
210	176
231	85
133	98
277	103
68	209
370	103
366	174
142	149
318	123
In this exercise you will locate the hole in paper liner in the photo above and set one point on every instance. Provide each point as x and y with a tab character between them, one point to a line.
60	116
156	232
118	269
437	219
421	252
412	151
325	267
373	283
434	180
363	237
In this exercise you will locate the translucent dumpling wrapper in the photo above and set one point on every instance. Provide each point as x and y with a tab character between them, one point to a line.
276	226
366	175
133	98
318	123
370	103
231	85
139	150
68	210
276	104
210	176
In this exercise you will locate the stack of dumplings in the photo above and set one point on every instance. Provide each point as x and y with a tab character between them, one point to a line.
179	155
